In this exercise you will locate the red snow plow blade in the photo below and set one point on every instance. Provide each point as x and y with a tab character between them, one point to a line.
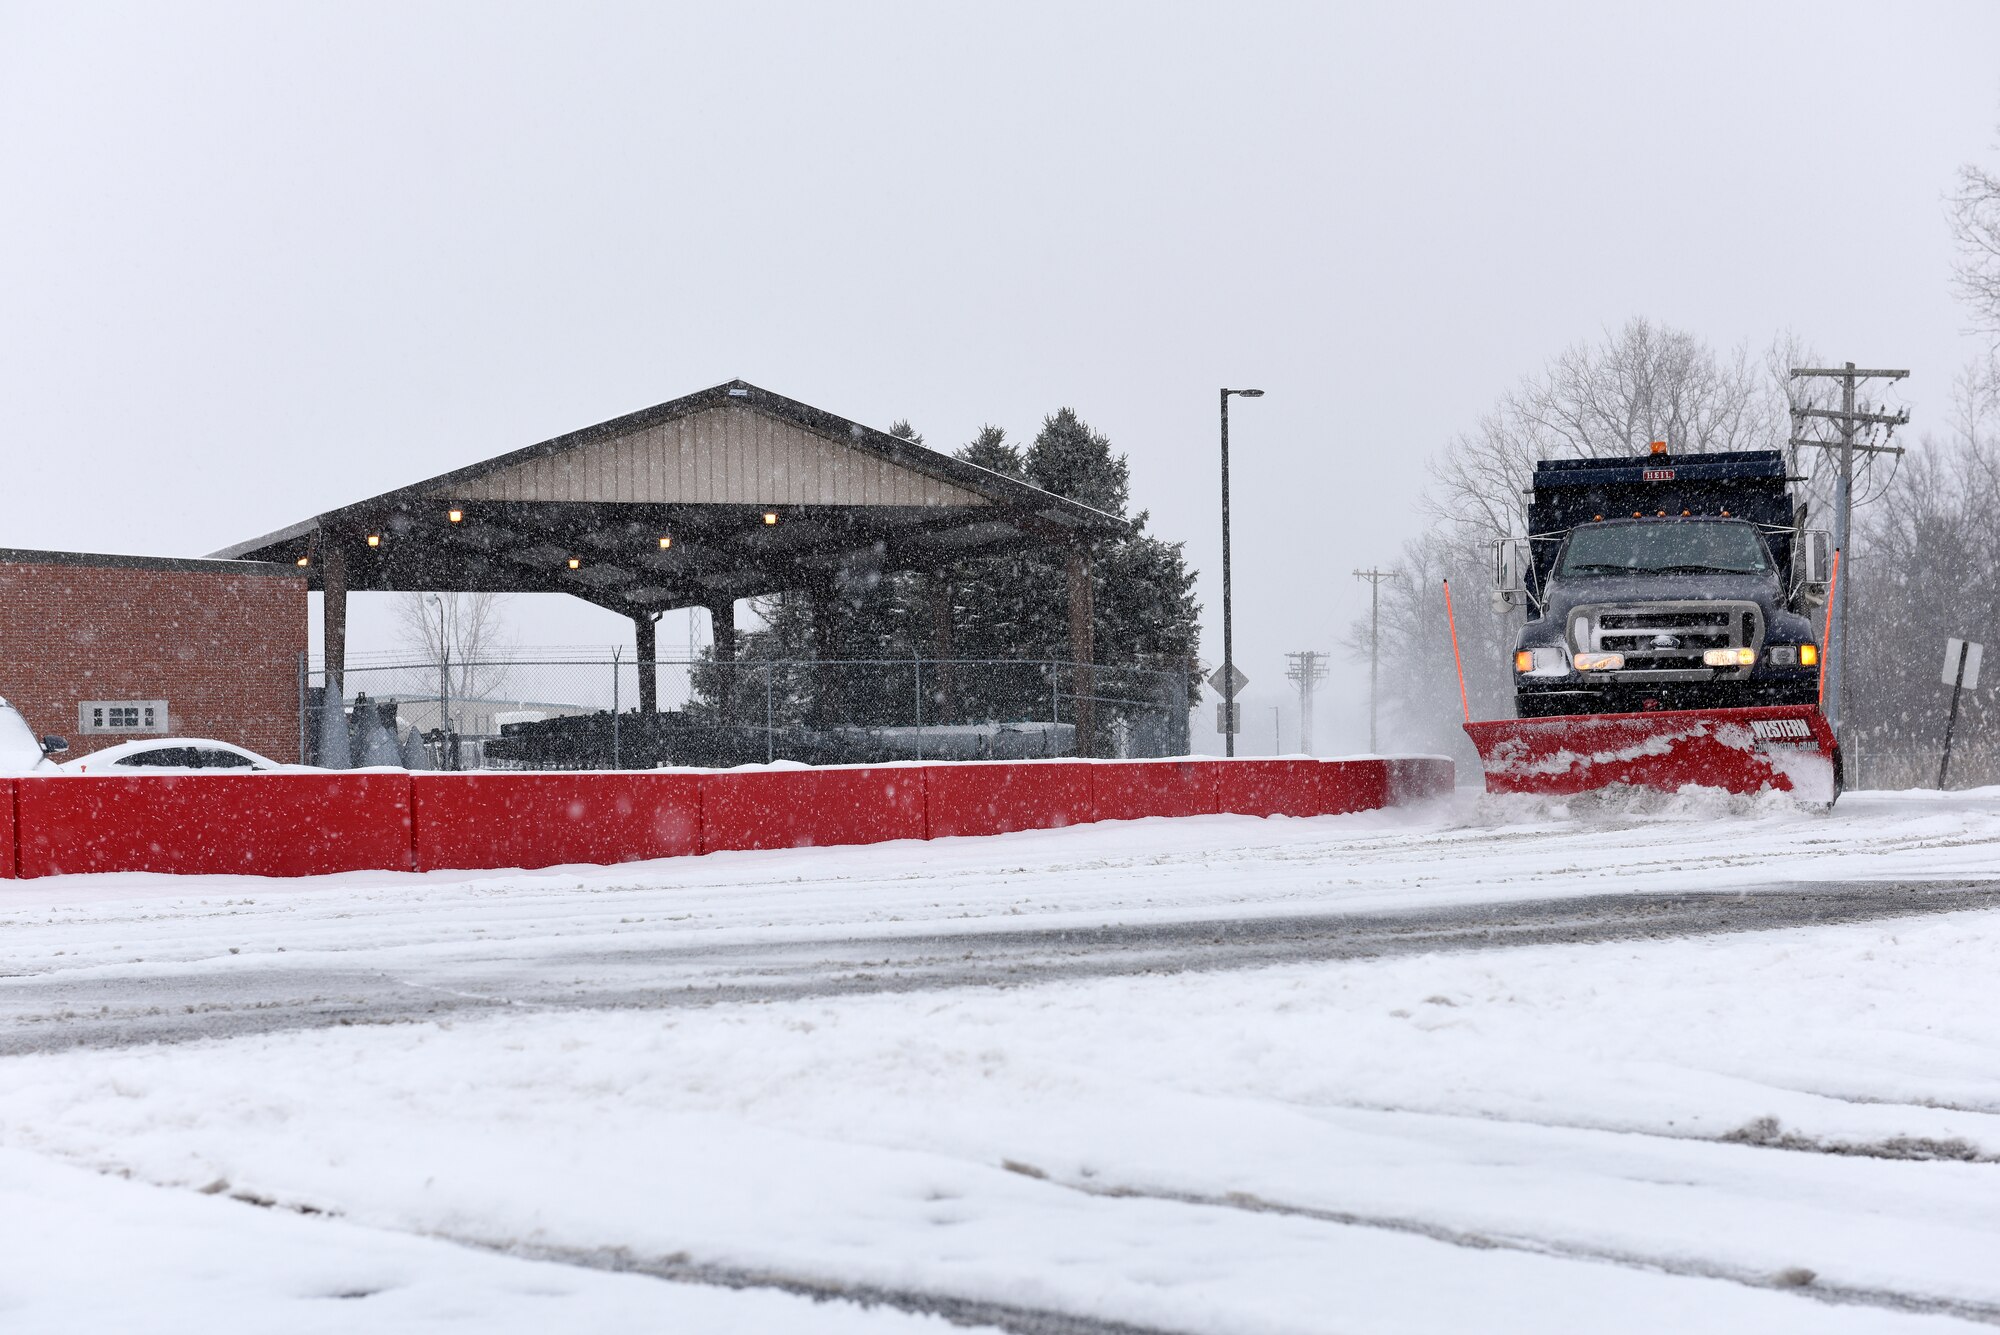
1778	748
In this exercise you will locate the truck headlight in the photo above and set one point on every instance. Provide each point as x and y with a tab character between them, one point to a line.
1544	662
1599	662
1782	655
1729	657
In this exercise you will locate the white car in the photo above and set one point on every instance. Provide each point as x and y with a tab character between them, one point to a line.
173	755
21	752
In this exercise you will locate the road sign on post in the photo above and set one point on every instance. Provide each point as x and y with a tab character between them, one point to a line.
1972	653
1221	682
1228	719
1961	671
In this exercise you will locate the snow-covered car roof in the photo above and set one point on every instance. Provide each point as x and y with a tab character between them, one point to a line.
20	749
121	758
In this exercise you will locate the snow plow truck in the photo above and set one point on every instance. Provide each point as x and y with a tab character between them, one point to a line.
1669	636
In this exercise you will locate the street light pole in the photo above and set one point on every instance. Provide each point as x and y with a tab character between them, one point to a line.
1228	628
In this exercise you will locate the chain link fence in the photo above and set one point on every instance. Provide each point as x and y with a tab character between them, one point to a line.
617	713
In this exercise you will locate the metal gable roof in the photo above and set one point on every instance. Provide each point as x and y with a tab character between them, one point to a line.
859	497
996	488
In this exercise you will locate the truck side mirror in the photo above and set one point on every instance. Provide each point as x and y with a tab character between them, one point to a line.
1815	556
54	746
1509	573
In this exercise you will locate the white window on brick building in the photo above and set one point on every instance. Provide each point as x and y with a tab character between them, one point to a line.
122	716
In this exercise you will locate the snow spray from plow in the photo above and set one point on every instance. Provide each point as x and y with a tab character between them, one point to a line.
1771	748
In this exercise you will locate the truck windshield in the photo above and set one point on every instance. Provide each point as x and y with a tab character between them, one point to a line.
1669	547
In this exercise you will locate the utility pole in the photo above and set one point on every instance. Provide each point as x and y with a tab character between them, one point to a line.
1308	669
1374	578
1849	420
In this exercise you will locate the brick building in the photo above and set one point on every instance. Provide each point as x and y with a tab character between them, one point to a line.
105	649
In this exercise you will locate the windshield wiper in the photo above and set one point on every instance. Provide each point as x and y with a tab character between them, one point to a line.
1605	567
1702	570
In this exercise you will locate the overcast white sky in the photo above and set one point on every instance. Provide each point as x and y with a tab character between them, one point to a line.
259	260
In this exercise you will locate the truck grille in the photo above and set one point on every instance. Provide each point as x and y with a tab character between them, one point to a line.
1668	637
1652	620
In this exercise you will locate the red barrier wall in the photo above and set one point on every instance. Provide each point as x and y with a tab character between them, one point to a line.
810	808
1300	788
1130	789
310	824
993	798
7	856
471	821
210	824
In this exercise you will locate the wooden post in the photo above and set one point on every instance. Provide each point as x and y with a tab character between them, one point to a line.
945	676
722	630
333	608
826	646
1082	613
646	650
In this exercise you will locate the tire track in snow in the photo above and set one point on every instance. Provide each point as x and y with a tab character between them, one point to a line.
1797	1281
960	1311
682	1268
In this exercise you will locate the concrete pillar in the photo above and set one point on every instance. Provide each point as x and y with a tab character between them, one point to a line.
645	652
1082	615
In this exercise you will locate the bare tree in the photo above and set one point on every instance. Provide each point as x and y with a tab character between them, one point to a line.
1645	382
1933	545
1641	383
469	627
1975	225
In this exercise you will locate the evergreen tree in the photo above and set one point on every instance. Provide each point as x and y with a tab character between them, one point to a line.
1012	608
1016	605
1070	459
990	450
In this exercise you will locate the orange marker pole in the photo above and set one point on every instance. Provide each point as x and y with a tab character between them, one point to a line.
1826	636
1465	701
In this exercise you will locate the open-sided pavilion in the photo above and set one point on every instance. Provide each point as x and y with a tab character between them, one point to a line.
729	493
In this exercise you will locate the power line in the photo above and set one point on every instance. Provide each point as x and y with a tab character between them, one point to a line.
1374	578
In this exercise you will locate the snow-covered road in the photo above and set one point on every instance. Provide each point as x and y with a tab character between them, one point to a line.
1208	1075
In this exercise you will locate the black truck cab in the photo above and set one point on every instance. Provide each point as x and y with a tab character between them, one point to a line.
1663	583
